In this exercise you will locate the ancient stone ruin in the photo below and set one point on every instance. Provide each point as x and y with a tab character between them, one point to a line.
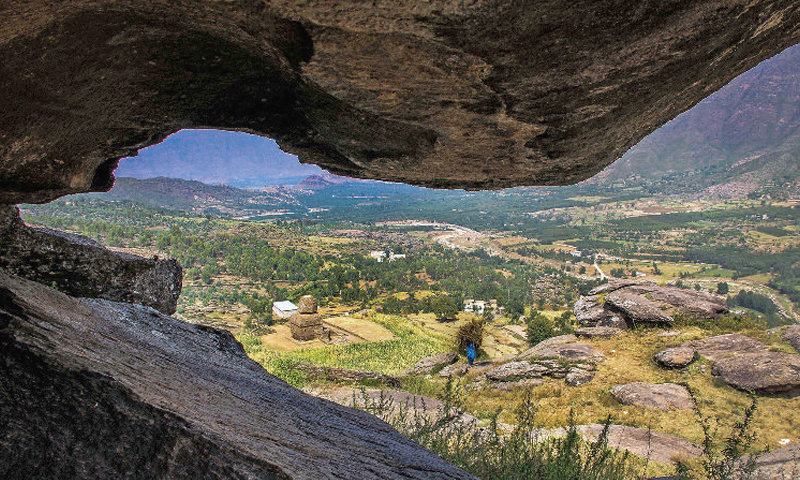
306	324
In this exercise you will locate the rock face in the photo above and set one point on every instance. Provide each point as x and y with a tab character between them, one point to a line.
81	267
578	376
722	346
429	364
676	357
768	372
620	303
656	446
483	94
661	396
343	374
597	332
791	335
572	352
184	400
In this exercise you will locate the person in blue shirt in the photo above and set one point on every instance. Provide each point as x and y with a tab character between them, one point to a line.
470	353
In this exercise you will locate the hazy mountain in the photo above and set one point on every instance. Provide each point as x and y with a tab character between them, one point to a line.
218	157
749	131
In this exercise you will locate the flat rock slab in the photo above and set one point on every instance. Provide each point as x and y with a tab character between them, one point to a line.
346	375
722	346
675	357
456	369
637	308
572	352
783	463
597	332
559	340
525	383
655	446
514	371
660	396
766	372
591	312
429	364
791	335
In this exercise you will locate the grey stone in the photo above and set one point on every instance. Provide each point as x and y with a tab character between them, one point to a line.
722	346
81	267
791	335
660	396
127	384
559	340
578	376
427	365
597	332
454	370
509	386
637	308
675	357
765	372
513	371
572	352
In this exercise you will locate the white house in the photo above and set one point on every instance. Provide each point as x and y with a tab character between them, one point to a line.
378	255
284	309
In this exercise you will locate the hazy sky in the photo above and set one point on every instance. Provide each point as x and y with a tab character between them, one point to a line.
216	156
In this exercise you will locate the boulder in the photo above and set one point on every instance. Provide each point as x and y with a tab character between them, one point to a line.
637	308
572	352
762	372
429	364
791	335
590	311
513	371
101	389
660	396
654	446
783	463
578	376
454	370
559	340
610	286
675	357
597	332
722	346
346	375
692	303
509	386
81	267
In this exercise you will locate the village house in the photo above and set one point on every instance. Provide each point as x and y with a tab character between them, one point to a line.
283	309
480	306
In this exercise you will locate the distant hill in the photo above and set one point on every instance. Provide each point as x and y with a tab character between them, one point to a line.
218	157
325	180
747	133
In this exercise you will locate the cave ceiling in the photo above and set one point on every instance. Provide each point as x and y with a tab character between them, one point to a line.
474	94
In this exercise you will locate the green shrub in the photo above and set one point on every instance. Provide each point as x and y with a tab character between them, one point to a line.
539	328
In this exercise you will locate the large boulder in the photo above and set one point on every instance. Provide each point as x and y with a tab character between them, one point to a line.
571	352
660	396
619	303
81	267
100	389
597	332
439	93
559	340
513	371
763	372
722	346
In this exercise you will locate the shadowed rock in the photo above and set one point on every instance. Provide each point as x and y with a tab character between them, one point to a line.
637	308
101	389
559	340
578	376
597	332
474	95
766	372
81	267
572	352
661	396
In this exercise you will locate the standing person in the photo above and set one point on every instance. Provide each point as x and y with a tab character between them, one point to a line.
470	353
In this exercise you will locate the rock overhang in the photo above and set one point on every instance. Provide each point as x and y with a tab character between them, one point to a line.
477	95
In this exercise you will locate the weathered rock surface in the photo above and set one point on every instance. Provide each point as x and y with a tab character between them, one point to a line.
766	372
184	401
675	357
449	94
513	371
572	352
429	364
722	346
578	376
791	335
346	375
456	369
783	463
559	340
597	332
661	396
509	386
655	446
619	303
81	267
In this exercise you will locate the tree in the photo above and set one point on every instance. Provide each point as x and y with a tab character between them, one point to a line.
539	328
444	307
722	288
